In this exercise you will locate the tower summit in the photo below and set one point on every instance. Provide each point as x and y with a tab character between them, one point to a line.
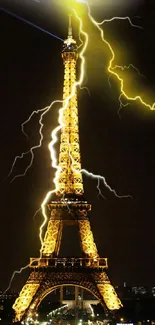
70	42
70	26
69	208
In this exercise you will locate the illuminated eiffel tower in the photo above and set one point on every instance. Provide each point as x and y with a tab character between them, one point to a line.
51	271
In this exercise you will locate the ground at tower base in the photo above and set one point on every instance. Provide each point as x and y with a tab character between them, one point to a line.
76	306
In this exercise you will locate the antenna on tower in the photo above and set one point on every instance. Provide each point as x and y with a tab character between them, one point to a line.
70	26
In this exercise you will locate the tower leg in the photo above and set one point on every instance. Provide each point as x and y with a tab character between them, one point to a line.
87	240
53	235
107	291
58	240
27	293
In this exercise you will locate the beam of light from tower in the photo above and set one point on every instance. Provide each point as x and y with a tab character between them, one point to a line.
111	68
30	23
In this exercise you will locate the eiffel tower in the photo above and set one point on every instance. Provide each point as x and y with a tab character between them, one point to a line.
69	206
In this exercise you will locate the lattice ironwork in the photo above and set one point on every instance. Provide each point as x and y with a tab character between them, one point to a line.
53	235
107	291
109	295
27	293
87	240
50	271
54	280
70	177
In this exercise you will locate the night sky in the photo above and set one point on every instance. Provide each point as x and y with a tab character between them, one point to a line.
119	146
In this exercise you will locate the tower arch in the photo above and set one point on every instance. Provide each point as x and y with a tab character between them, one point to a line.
53	282
36	303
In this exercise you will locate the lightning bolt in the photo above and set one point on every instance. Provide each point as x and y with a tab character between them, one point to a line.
126	67
102	178
99	179
111	67
43	111
118	18
99	190
35	214
13	275
54	134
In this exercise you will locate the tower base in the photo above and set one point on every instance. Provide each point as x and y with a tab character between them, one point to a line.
48	274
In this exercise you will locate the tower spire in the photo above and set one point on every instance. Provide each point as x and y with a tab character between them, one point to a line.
70	26
69	42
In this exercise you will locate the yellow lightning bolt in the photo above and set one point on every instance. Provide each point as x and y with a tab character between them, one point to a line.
111	67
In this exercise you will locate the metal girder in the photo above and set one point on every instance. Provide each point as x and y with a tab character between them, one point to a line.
87	240
52	239
70	177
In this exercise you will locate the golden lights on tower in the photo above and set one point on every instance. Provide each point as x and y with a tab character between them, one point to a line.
68	188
